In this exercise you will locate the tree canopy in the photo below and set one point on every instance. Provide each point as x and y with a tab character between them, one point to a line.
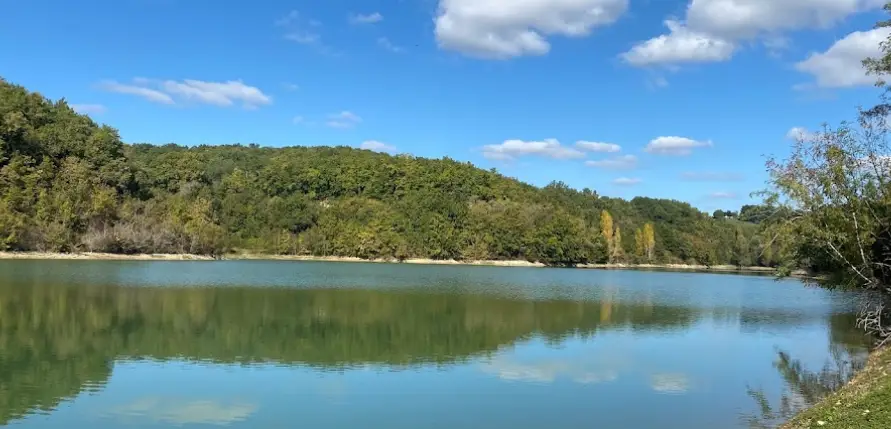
69	184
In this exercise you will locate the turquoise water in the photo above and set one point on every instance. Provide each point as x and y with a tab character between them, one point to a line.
255	344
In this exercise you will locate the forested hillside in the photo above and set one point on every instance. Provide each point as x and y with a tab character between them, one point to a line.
68	184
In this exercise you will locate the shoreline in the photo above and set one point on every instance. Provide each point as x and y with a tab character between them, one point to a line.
414	261
862	403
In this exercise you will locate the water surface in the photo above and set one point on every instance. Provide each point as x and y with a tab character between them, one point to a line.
255	344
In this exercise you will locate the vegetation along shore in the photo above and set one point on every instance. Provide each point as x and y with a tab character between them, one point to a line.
245	256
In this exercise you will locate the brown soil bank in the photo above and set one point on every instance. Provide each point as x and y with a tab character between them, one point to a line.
864	403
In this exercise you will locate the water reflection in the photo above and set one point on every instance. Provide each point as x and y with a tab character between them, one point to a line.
59	339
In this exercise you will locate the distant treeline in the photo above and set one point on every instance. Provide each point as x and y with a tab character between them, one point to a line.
68	184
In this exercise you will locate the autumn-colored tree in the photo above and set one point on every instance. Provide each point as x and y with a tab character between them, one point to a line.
618	251
606	229
649	241
640	243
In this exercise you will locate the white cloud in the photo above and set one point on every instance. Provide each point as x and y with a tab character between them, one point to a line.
377	146
370	18
215	93
598	146
627	181
799	133
673	145
137	90
841	65
87	109
742	19
723	195
713	29
298	119
711	176
291	86
623	162
388	45
680	45
344	119
305	32
178	412
499	29
548	148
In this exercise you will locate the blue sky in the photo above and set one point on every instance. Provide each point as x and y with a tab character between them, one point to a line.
664	98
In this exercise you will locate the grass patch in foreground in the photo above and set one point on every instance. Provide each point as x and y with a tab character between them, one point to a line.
864	403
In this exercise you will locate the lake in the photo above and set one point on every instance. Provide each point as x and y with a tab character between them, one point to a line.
277	344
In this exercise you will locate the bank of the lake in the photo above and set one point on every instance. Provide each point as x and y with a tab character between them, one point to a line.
268	257
864	403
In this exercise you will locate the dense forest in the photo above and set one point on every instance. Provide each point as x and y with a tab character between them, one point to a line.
68	184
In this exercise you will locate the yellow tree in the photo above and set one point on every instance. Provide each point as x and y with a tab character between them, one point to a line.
618	252
649	239
640	244
606	229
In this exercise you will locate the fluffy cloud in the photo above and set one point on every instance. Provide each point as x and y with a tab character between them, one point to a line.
626	181
217	93
741	19
711	176
680	45
548	148
344	119
714	28
388	45
623	162
137	90
87	109
501	29
840	66
673	145
370	18
221	94
598	146
377	146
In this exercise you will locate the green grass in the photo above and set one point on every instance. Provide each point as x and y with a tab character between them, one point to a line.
864	403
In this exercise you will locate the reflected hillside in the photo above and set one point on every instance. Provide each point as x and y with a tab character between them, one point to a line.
323	327
57	340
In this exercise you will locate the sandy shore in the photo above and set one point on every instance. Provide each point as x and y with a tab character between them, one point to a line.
104	256
188	257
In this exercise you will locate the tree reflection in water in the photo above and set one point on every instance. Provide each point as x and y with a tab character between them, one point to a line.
804	388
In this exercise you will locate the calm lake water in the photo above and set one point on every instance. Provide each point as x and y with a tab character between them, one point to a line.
250	344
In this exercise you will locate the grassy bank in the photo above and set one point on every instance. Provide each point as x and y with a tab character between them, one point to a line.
254	256
864	403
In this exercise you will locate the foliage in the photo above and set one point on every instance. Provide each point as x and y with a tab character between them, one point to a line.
68	185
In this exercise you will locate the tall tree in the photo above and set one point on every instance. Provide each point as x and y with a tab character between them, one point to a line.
606	230
618	250
649	236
